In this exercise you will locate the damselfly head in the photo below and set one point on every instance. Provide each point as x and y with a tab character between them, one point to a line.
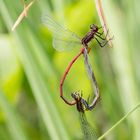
94	27
75	95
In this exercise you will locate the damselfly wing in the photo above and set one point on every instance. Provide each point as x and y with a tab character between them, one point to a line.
89	132
63	39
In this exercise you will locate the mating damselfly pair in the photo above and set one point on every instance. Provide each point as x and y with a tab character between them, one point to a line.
64	39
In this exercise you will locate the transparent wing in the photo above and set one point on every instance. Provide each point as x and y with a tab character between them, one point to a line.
88	132
63	39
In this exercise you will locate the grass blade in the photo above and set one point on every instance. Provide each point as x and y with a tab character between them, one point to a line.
119	122
12	119
32	61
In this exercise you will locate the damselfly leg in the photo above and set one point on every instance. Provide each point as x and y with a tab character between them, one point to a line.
105	41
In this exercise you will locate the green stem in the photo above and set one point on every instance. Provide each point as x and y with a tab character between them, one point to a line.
121	120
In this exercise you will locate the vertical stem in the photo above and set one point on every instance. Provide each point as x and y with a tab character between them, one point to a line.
102	18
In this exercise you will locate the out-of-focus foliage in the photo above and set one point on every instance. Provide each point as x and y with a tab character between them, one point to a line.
30	71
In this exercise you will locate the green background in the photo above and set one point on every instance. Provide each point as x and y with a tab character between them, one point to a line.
30	71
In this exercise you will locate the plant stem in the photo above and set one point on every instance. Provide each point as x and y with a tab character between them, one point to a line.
120	121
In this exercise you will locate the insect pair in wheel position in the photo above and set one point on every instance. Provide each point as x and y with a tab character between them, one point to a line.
64	39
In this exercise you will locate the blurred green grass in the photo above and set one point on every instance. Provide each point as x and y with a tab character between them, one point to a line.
31	69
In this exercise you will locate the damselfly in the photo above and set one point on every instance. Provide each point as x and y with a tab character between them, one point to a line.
88	131
64	39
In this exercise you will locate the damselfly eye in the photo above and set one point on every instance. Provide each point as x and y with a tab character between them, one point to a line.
93	27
